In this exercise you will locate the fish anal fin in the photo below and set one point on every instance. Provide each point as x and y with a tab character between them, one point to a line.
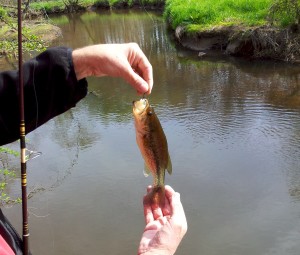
146	170
169	166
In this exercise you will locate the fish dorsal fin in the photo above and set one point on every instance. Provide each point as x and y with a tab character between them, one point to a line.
146	170
169	166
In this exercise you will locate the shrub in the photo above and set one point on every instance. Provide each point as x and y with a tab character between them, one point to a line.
285	12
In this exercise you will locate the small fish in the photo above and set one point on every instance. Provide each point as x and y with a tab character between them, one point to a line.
153	145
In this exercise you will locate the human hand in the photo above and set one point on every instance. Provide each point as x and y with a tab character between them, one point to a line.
117	60
165	227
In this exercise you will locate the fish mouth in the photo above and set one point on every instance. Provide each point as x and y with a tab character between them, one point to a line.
140	106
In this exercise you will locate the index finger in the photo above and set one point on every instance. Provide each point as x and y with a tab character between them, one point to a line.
144	68
146	72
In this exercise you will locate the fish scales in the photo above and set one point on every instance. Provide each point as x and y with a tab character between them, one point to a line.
153	146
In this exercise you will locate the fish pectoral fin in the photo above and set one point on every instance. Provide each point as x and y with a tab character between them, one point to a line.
169	166
146	170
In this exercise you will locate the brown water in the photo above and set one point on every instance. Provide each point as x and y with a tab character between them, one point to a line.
233	128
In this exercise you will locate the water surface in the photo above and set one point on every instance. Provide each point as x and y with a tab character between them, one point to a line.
233	128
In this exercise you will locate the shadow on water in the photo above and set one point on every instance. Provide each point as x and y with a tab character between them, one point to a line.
233	128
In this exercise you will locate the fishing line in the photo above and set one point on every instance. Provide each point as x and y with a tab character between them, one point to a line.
141	2
153	22
35	95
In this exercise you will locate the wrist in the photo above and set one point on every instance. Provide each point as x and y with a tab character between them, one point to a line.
80	64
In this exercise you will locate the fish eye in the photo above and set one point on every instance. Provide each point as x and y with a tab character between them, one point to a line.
149	113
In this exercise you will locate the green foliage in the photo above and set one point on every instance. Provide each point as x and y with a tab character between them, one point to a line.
48	6
152	2
285	12
5	176
60	5
217	12
53	6
3	13
9	151
9	43
7	173
71	2
31	43
113	3
72	5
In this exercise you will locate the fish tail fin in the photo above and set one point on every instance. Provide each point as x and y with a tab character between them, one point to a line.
156	197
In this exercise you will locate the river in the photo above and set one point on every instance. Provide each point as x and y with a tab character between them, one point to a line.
233	128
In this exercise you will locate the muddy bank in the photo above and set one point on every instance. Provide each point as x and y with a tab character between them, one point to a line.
46	31
255	42
39	27
45	34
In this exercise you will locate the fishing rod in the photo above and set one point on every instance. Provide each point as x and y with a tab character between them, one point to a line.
22	136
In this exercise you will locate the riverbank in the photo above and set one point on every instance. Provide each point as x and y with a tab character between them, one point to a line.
37	35
234	28
260	42
59	6
257	29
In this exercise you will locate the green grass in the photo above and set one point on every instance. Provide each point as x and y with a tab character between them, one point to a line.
58	5
205	13
48	6
6	176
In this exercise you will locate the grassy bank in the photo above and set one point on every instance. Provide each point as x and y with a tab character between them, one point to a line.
201	14
61	6
7	175
209	18
250	28
195	14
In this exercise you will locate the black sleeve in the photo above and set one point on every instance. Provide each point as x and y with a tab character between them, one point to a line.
50	88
